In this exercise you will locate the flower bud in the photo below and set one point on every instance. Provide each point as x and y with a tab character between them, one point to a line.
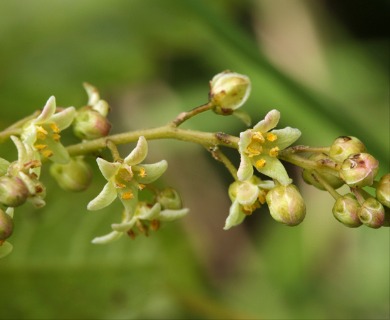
346	210
344	146
286	204
76	175
90	124
333	181
229	91
13	191
359	170
372	213
169	198
383	190
6	225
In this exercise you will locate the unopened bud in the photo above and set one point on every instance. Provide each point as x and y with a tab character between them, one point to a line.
6	225
332	180
76	175
344	146
229	91
90	124
383	190
13	191
359	170
169	198
286	204
346	210
372	213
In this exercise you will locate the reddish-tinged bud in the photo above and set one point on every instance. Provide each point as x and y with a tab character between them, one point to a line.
359	170
90	124
286	204
383	190
6	225
344	146
372	213
13	191
346	210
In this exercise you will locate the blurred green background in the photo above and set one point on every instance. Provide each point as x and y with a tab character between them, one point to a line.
323	64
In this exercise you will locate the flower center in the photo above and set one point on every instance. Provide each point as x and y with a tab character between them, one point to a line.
256	147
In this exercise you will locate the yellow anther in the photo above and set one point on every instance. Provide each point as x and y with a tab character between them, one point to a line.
47	153
141	186
260	163
40	147
125	174
56	137
120	185
257	136
274	152
127	195
254	151
142	173
55	128
261	198
271	136
41	130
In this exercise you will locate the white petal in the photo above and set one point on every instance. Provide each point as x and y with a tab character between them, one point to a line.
104	198
170	215
64	118
235	216
112	236
247	193
269	122
139	153
48	110
286	137
275	170
108	169
152	171
245	170
5	249
150	213
124	226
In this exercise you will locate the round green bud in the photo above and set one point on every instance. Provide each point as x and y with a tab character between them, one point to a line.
344	146
169	198
372	213
346	210
13	191
383	190
359	170
90	124
76	175
229	91
6	225
286	204
334	181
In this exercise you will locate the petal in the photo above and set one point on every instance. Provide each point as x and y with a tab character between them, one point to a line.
20	146
64	118
129	198
124	226
245	140
147	173
112	236
269	122
48	110
92	92
139	153
104	198
29	134
243	116
245	170
150	213
275	170
286	137
247	193
236	216
170	215
60	154
108	169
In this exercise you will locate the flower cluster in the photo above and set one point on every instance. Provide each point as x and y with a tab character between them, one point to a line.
125	179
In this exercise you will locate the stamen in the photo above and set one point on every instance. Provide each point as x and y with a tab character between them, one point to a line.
56	137
127	195
254	151
47	153
271	136
274	152
40	147
125	174
120	185
55	128
141	186
131	234
142	172
257	136
260	163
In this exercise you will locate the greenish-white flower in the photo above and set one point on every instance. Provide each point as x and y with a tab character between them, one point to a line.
246	196
259	147
125	178
43	132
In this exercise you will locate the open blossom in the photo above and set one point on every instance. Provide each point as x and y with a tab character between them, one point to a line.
145	217
259	147
43	133
125	178
246	197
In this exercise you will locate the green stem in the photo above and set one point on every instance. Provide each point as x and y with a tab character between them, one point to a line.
206	139
189	114
326	185
221	157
